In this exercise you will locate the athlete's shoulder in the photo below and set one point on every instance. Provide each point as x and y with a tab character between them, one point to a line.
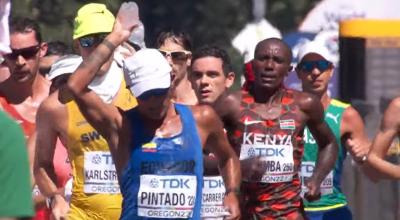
393	110
340	104
202	112
52	105
305	101
395	103
350	114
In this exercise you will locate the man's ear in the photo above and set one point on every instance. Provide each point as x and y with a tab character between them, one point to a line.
189	60
230	79
289	70
43	49
331	71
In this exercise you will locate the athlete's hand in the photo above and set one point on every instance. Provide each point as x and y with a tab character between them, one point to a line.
253	169
313	190
231	204
357	150
127	19
59	208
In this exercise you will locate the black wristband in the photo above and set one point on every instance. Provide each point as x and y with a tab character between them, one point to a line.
108	44
235	190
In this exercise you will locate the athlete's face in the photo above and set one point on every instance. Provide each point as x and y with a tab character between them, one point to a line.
87	44
271	64
177	57
154	104
209	80
24	59
314	72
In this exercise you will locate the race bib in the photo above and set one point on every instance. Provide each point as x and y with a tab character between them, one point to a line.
275	150
168	197
213	197
100	174
307	169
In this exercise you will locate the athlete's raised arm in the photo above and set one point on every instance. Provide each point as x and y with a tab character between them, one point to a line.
104	117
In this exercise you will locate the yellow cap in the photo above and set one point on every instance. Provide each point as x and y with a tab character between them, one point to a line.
93	18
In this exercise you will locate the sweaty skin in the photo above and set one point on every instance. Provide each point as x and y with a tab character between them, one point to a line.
113	125
271	64
388	131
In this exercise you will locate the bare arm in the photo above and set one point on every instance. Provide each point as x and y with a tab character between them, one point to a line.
46	138
389	129
327	146
105	118
216	142
355	139
45	147
352	128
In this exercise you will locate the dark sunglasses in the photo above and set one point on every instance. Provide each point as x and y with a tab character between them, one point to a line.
175	55
321	65
91	40
154	92
26	53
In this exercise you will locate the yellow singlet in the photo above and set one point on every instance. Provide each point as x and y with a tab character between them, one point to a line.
95	191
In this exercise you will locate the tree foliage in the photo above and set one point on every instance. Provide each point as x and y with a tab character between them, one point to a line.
207	21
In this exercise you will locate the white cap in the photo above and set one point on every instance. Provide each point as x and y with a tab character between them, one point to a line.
146	70
65	65
313	47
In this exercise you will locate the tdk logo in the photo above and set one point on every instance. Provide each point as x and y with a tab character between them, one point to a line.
268	152
99	158
108	158
175	183
211	184
307	168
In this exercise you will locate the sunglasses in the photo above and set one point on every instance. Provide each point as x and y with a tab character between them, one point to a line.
154	92
321	65
176	55
91	40
26	53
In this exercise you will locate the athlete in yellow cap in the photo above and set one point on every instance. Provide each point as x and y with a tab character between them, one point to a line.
95	191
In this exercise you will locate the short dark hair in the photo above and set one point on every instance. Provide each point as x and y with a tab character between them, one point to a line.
57	48
214	51
25	25
180	38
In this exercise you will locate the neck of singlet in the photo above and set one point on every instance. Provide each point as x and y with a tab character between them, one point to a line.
265	96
